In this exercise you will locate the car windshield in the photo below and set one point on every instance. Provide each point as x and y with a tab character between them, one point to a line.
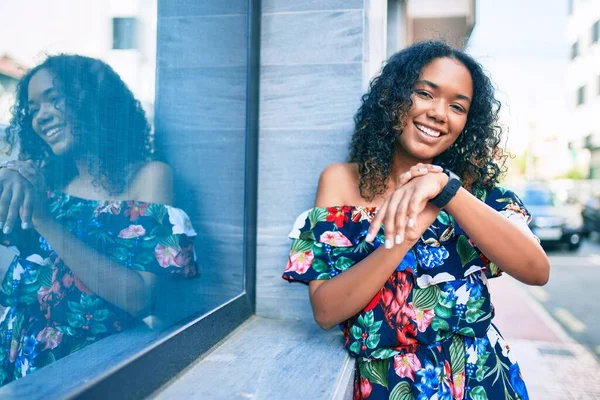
538	198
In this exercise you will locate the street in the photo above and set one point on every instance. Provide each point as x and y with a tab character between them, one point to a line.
572	296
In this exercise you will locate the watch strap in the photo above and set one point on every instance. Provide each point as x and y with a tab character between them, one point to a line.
449	191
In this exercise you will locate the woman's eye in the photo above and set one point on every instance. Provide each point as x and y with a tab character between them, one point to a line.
32	112
424	94
458	108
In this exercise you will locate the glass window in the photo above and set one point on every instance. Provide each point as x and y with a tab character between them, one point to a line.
124	33
581	96
143	196
595	32
574	50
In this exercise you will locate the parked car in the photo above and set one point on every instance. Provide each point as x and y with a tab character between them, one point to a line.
591	215
552	223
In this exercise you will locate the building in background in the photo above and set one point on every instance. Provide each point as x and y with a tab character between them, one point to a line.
120	32
583	84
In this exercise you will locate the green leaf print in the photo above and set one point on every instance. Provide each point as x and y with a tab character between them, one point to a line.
317	214
44	358
319	265
323	277
375	327
45	277
308	235
356	332
75	320
438	324
401	392
481	367
383	354
457	355
472	315
425	299
376	371
475	303
369	319
169	241
355	347
343	263
443	217
101	315
466	252
373	340
76	307
442	312
97	328
157	211
301	246
119	253
467	331
478	393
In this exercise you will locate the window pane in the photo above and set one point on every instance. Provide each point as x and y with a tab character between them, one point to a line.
574	50
141	228
595	31
581	95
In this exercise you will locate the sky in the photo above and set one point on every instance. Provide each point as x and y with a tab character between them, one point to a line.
523	46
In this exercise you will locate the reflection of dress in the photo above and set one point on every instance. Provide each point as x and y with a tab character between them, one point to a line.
50	313
428	332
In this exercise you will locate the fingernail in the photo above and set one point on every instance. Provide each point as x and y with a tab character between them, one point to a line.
24	225
422	170
369	237
6	230
410	223
398	239
438	168
9	165
388	244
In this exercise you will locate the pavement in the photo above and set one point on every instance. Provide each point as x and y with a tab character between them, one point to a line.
554	365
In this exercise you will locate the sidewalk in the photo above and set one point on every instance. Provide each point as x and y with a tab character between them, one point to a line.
554	366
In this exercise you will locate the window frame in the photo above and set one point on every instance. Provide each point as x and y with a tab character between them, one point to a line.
144	372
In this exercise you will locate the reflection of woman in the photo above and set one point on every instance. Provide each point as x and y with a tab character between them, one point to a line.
413	300
96	230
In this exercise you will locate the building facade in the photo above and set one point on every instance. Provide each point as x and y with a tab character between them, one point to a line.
583	82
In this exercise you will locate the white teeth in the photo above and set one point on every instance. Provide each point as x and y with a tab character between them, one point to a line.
52	132
428	131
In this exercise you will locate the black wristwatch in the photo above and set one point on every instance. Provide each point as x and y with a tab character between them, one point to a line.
449	191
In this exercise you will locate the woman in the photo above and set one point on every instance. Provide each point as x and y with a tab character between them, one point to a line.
412	299
96	231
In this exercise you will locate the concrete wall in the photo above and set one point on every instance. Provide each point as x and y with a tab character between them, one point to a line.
310	87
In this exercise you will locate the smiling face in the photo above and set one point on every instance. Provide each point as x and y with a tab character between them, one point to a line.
441	100
46	107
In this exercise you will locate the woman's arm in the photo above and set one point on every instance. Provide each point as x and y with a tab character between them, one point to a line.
127	289
516	252
337	299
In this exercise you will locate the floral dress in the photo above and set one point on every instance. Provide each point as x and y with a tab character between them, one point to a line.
49	312
428	333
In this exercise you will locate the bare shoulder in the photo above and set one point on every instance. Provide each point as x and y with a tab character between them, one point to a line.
337	184
153	183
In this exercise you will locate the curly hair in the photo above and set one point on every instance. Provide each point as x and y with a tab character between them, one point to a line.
475	156
108	124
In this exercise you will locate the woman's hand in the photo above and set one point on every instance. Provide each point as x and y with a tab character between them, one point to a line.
417	170
33	209
406	213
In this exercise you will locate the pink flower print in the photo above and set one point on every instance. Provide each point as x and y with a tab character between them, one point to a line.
335	239
458	386
132	231
406	364
166	255
111	207
422	318
299	262
51	337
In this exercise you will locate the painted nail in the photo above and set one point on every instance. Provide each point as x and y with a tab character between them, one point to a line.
438	168
410	223
24	225
369	237
422	170
398	239
6	230
388	244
